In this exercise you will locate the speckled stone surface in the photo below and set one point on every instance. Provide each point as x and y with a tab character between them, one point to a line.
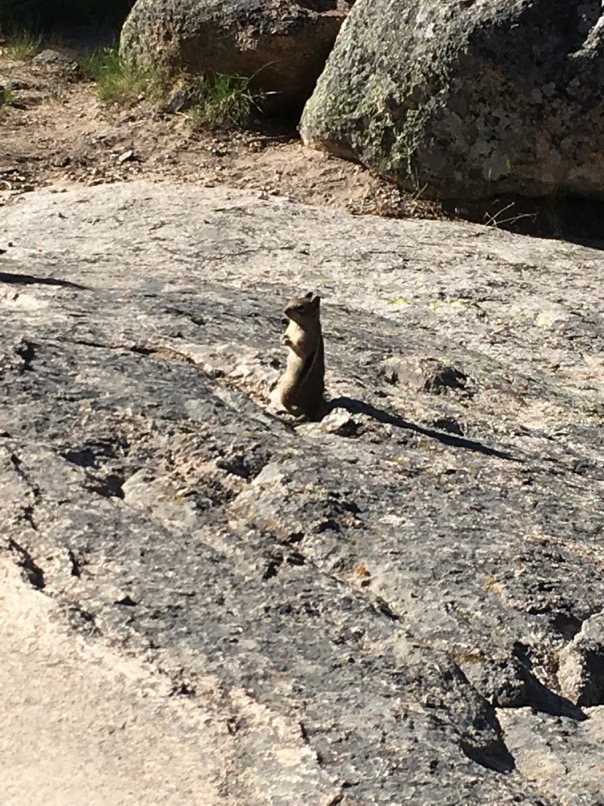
385	606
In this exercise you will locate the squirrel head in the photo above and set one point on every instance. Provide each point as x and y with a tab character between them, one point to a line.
303	309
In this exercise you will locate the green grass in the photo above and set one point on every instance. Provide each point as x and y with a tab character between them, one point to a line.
23	44
223	101
122	82
9	97
213	102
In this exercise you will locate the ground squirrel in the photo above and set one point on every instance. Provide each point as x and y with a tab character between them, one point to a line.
300	390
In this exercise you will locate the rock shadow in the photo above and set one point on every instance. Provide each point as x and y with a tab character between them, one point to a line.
502	761
559	217
546	701
540	697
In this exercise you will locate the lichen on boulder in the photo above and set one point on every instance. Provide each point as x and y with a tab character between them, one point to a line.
468	100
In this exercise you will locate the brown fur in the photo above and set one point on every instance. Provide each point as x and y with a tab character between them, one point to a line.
300	390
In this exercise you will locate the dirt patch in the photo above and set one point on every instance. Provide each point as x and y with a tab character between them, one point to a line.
55	131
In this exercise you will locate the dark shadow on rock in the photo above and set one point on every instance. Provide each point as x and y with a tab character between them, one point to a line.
547	701
29	279
355	406
501	761
540	697
590	243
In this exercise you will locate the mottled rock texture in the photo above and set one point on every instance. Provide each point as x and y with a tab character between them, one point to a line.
399	603
469	99
282	44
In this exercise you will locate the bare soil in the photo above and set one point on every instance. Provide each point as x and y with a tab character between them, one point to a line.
56	132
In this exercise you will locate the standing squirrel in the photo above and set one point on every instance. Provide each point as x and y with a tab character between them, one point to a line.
300	390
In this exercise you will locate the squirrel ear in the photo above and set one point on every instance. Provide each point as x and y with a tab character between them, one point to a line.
315	300
309	295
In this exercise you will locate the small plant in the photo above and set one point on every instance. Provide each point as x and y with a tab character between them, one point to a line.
495	220
119	81
8	96
99	61
224	101
23	44
219	101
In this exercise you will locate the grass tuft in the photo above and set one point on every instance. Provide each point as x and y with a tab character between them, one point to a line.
223	101
211	102
8	96
23	45
119	81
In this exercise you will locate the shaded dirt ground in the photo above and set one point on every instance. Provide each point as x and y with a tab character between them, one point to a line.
56	131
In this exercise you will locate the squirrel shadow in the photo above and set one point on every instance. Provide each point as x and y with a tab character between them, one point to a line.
355	406
29	279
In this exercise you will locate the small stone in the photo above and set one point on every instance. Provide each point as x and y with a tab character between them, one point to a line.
55	60
127	156
340	422
179	99
425	374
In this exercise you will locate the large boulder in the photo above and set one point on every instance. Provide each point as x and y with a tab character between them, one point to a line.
394	605
468	99
282	44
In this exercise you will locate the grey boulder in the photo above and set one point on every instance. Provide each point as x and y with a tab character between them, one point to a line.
282	45
468	100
